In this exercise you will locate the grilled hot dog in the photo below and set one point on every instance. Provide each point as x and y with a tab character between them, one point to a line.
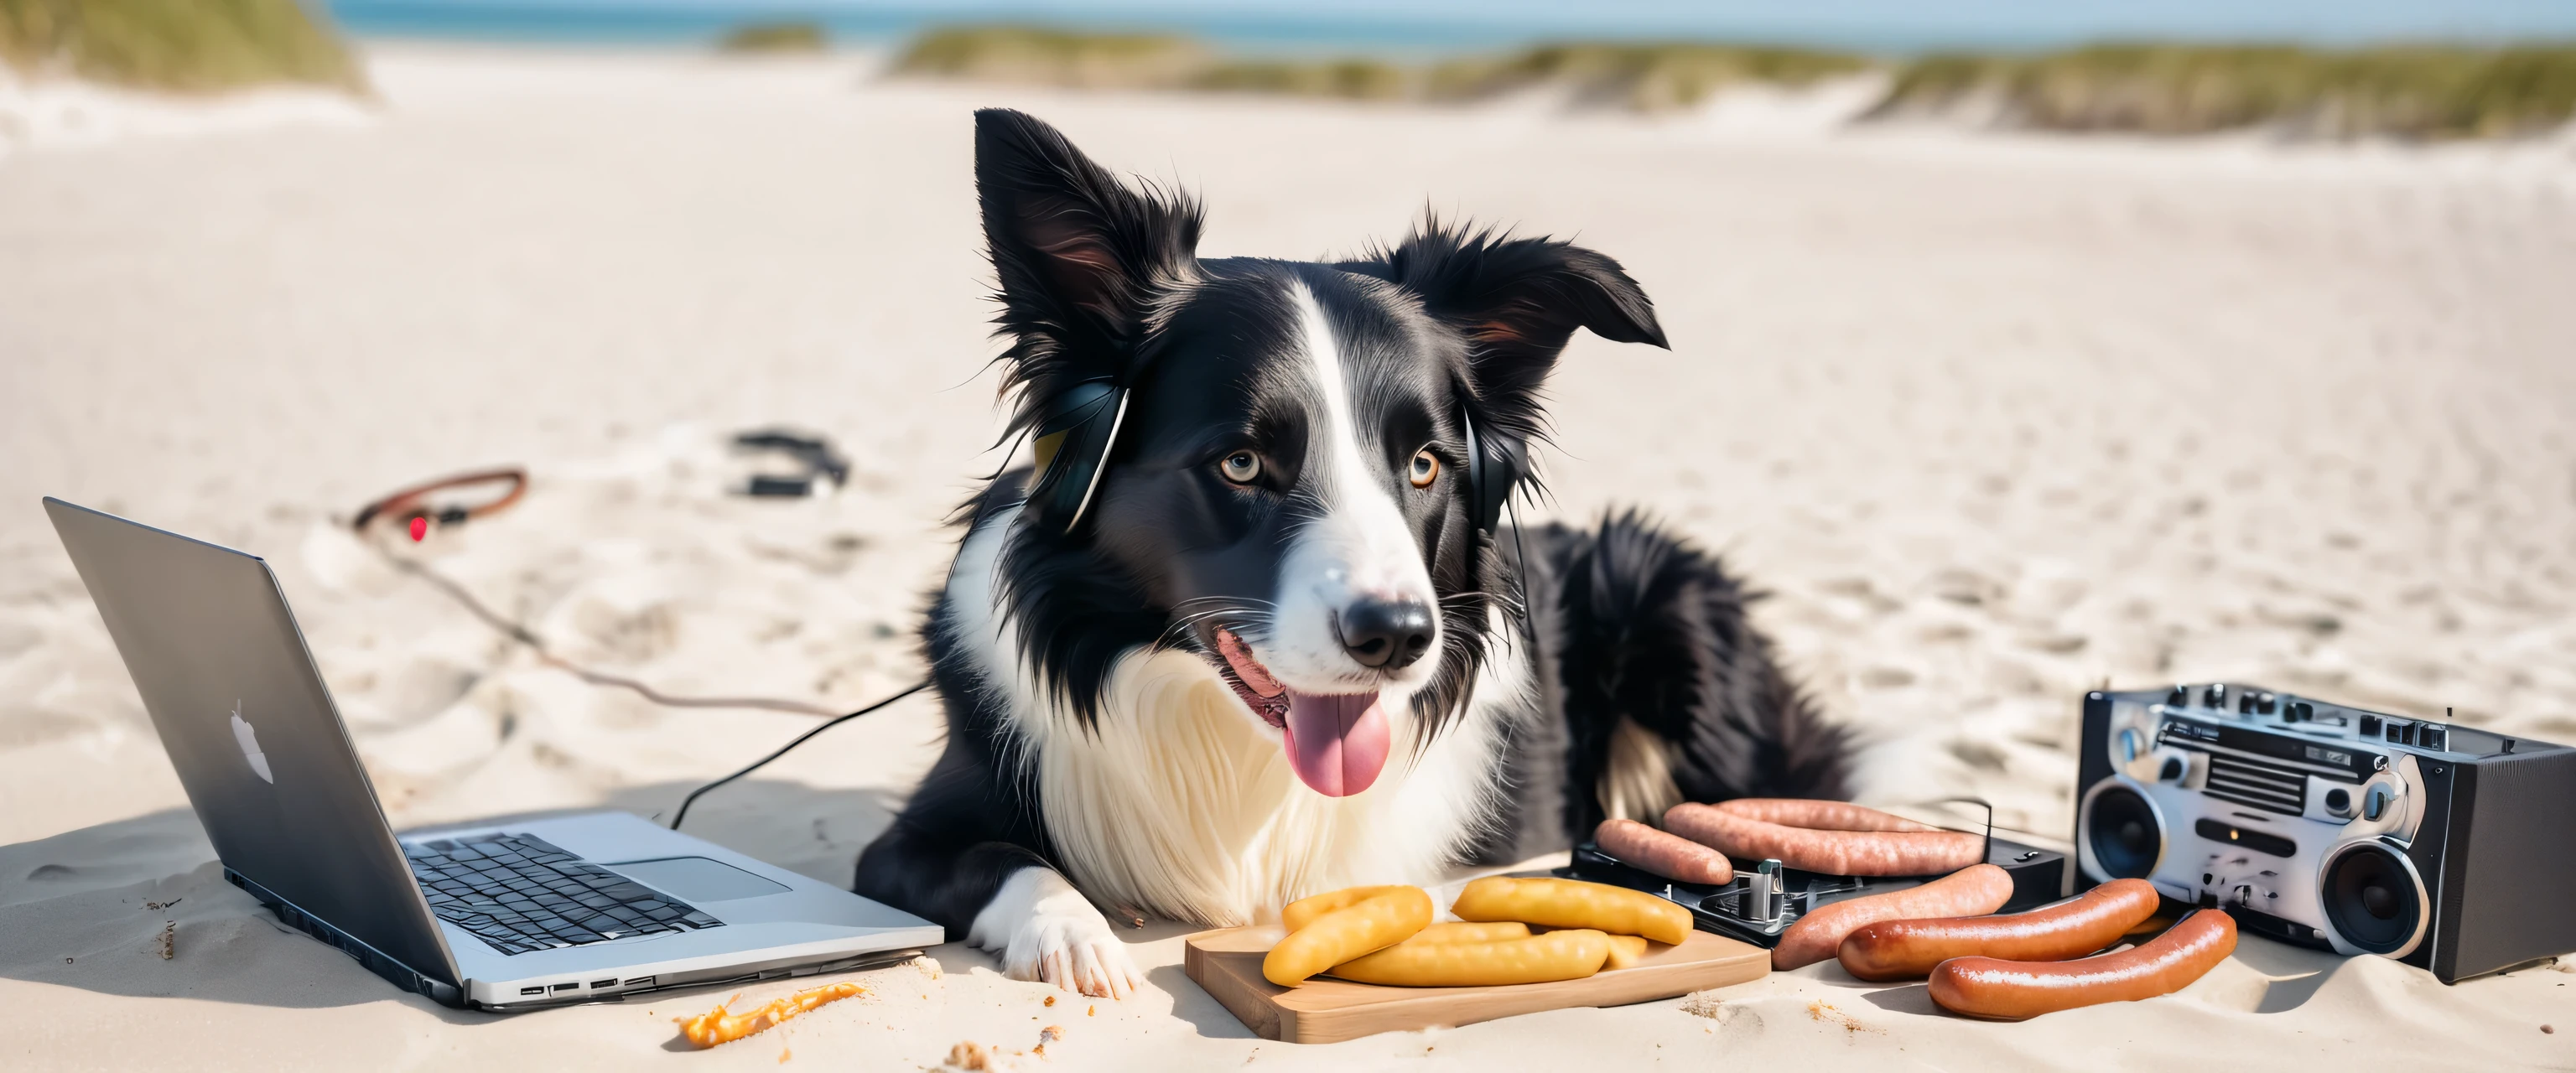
1973	891
2016	990
1668	855
1887	847
1908	949
1818	815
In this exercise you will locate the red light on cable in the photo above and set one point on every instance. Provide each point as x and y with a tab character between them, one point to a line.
419	528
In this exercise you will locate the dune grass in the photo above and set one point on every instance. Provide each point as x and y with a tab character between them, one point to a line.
2407	92
191	46
1651	77
774	37
1037	55
1641	77
2422	92
1352	78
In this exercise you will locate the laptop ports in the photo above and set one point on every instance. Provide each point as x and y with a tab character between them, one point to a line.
573	986
599	985
537	990
641	981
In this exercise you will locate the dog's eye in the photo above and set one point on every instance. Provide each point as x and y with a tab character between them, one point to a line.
1426	469
1241	467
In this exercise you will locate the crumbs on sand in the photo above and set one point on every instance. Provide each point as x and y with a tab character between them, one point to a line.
970	1055
722	1026
1826	1012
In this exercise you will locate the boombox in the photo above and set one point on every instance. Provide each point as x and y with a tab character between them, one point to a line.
2445	847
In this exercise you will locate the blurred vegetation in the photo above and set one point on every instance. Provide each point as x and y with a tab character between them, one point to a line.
2416	92
1355	78
1039	56
2402	91
1639	77
184	45
774	37
1646	77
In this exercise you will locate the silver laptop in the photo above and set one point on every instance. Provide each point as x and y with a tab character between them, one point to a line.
498	916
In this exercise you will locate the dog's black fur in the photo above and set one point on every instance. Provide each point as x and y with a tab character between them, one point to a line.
1632	620
1624	620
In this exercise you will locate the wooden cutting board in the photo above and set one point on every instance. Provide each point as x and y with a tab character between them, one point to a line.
1227	963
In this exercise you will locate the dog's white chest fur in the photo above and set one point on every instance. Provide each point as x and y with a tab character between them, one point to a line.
1181	805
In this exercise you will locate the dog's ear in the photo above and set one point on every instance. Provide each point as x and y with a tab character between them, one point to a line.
1517	300
1082	257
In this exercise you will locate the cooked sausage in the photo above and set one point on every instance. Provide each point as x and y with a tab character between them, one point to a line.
2016	990
1834	852
1343	934
1625	950
1572	903
1468	932
1303	911
1668	855
1558	955
1973	891
1908	949
1819	815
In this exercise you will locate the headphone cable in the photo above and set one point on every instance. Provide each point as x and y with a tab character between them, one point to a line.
801	739
409	503
527	637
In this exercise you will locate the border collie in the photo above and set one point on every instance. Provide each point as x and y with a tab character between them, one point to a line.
1276	656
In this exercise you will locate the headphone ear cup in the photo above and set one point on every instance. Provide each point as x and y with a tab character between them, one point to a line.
1073	435
1495	466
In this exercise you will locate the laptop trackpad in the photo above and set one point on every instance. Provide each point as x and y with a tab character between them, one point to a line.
698	879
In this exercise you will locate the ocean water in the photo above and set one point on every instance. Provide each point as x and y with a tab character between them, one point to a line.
1424	26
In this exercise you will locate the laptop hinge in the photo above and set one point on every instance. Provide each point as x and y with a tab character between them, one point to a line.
376	961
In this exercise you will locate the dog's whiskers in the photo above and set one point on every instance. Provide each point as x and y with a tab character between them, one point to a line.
1183	623
1245	601
1502	599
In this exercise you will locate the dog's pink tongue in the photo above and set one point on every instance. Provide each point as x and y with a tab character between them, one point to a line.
1337	743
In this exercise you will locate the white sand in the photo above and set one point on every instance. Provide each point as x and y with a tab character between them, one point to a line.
51	114
1996	419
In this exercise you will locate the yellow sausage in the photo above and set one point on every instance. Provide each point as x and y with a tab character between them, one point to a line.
1626	950
1343	934
1567	903
1558	955
1303	911
1455	932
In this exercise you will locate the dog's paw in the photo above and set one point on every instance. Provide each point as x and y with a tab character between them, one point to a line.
1046	930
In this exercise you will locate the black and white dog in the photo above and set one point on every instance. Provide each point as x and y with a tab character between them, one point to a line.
1277	656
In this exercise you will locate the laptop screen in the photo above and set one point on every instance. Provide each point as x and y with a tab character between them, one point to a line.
222	669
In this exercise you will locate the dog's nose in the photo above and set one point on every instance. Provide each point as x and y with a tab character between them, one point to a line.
1387	634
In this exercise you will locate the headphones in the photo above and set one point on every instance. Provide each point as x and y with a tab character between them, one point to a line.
1077	426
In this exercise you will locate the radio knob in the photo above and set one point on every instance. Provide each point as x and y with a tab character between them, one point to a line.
2266	704
2179	698
2339	801
2214	697
2173	769
2375	802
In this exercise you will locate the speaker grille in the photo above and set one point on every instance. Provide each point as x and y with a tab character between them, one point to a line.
2122	830
2266	786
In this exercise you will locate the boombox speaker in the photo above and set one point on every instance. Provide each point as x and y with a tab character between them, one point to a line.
2445	847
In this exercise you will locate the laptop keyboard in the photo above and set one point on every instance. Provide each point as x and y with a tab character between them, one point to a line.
520	894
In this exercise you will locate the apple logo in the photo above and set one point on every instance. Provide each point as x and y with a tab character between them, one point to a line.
249	741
